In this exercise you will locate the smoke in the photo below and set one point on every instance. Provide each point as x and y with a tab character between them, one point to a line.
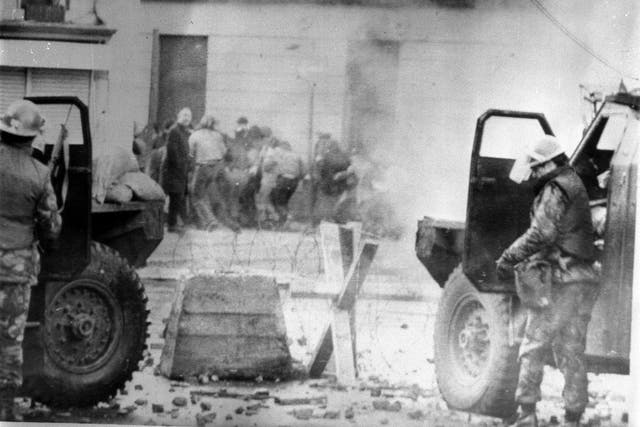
403	186
409	174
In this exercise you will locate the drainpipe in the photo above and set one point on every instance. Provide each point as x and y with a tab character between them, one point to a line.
634	356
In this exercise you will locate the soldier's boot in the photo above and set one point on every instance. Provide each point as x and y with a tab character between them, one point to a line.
8	410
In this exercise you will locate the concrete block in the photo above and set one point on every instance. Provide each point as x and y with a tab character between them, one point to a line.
226	325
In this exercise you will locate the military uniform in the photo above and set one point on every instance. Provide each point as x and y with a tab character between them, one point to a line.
28	208
560	233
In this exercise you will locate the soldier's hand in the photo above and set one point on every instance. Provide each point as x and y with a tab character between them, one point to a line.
504	270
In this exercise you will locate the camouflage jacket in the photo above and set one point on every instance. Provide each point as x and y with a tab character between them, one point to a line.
28	205
28	210
560	231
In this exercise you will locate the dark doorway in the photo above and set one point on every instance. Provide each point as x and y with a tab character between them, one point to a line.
182	78
372	79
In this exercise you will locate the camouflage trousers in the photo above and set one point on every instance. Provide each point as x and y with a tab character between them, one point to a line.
18	272
562	329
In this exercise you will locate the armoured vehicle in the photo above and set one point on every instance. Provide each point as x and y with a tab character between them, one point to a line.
480	321
87	322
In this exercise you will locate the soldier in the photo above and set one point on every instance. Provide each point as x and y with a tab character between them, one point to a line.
28	208
558	246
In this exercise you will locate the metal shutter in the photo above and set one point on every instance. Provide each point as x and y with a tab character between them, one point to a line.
12	86
61	82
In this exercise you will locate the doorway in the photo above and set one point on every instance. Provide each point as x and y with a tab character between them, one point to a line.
182	76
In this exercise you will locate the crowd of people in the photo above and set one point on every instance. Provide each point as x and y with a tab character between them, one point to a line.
247	180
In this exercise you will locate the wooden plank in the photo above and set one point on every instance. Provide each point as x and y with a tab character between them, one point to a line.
356	276
356	226
331	255
344	318
347	248
356	234
321	354
169	348
342	344
231	324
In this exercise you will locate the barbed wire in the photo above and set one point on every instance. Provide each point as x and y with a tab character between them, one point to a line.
293	254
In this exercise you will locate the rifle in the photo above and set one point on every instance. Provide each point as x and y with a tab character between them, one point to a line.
58	165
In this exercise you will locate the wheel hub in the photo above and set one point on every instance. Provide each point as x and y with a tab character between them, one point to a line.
473	341
82	326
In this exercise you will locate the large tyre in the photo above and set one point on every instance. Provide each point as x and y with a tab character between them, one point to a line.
476	368
94	333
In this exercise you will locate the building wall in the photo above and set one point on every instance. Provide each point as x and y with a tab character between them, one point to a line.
453	64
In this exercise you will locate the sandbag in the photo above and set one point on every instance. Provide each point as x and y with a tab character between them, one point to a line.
118	193
109	163
142	185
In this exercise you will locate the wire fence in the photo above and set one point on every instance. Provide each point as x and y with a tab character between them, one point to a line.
394	336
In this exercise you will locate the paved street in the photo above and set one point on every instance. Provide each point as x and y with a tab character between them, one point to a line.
395	317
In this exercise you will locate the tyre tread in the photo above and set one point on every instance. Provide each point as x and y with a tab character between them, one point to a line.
498	398
53	394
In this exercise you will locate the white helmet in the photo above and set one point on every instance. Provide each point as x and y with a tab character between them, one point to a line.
22	118
536	154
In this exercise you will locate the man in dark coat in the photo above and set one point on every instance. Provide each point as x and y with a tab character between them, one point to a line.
28	214
154	165
559	245
176	169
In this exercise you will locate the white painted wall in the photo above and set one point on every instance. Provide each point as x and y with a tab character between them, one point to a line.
454	64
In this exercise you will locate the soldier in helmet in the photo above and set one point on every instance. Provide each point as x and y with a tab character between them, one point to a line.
28	213
554	260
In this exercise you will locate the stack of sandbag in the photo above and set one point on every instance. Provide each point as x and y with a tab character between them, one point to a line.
117	178
118	193
142	186
109	163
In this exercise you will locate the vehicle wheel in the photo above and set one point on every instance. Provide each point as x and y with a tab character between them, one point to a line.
476	368
94	333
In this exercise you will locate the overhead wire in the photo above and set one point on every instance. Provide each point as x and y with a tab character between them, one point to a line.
538	4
